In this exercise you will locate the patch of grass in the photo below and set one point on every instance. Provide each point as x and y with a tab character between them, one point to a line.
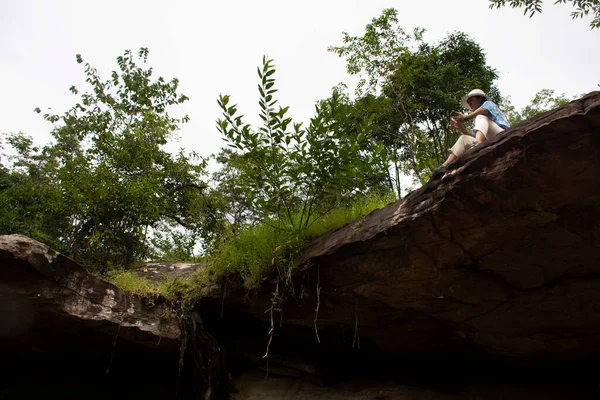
341	216
256	252
131	282
252	254
180	293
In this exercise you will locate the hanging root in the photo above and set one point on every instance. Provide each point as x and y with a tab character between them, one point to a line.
112	353
206	355
356	341
271	332
223	300
318	303
207	344
183	337
281	318
271	311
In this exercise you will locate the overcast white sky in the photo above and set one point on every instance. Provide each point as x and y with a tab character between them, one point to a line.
215	46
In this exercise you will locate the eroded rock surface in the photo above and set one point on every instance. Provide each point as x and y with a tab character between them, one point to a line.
167	270
43	294
503	252
500	257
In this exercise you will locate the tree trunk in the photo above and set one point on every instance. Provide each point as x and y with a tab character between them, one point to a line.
397	173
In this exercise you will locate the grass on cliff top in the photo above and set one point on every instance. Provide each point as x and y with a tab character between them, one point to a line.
133	283
255	253
250	256
180	293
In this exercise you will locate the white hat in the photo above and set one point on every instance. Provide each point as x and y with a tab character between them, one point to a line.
472	93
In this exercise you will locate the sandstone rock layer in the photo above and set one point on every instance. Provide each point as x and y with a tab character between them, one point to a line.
47	297
503	251
501	256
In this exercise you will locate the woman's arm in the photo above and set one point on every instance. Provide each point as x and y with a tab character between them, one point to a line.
468	117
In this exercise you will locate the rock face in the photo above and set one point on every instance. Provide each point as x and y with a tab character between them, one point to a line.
44	293
503	251
498	260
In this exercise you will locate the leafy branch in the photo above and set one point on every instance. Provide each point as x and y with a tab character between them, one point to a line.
582	8
292	176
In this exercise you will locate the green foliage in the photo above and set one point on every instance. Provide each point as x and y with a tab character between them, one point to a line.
582	8
174	244
376	54
426	88
180	293
106	183
544	100
418	86
253	253
284	170
29	193
230	193
133	283
281	178
343	215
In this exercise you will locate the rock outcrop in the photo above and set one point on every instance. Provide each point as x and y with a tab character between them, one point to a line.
499	259
163	271
44	293
65	333
503	251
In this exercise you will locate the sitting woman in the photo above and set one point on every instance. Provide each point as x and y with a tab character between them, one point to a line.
487	119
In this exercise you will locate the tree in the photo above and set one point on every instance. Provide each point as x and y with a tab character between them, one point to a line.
375	55
111	182
544	100
235	211
582	8
416	85
290	175
426	87
30	199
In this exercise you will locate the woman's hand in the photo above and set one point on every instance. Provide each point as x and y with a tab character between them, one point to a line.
459	126
455	124
461	118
